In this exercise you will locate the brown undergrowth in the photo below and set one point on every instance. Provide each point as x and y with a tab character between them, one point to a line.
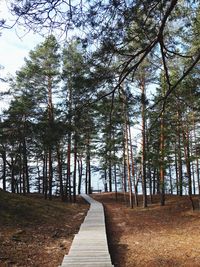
37	232
155	236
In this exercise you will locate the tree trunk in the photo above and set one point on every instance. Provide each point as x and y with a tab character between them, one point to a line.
127	157
187	160
133	168
86	177
162	175
88	180
196	155
149	172
75	167
68	182
60	172
170	180
50	172
143	102
105	182
38	176
4	169
45	179
12	176
179	152
50	122
80	174
115	181
154	181
176	170
25	166
188	165
110	172
89	175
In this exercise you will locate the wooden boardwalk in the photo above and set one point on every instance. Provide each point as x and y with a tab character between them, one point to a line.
89	247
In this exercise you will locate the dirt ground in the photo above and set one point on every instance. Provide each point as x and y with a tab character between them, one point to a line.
35	232
155	236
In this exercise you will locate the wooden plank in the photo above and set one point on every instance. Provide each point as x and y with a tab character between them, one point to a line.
90	247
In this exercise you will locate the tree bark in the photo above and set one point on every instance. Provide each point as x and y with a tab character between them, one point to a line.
50	172
133	168
80	174
3	155
127	157
60	175
162	174
143	103
75	167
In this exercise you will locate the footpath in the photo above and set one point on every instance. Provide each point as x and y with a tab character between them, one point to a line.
89	247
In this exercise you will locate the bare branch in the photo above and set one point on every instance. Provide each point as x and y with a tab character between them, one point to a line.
165	64
172	88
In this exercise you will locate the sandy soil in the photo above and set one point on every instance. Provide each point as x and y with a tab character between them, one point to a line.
153	237
43	237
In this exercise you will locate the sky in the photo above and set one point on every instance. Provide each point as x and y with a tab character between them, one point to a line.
13	50
15	45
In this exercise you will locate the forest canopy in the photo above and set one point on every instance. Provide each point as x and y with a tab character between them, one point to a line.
120	64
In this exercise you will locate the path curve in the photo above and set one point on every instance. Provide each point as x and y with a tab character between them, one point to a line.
89	247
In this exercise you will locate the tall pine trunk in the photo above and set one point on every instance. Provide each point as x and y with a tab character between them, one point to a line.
80	174
179	152
45	175
162	174
127	157
143	108
188	165
60	175
50	172
50	122
89	189
133	168
75	168
68	182
25	166
3	155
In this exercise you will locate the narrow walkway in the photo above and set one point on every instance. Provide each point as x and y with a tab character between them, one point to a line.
89	247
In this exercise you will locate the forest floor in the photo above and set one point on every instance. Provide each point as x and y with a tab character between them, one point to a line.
35	232
152	237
